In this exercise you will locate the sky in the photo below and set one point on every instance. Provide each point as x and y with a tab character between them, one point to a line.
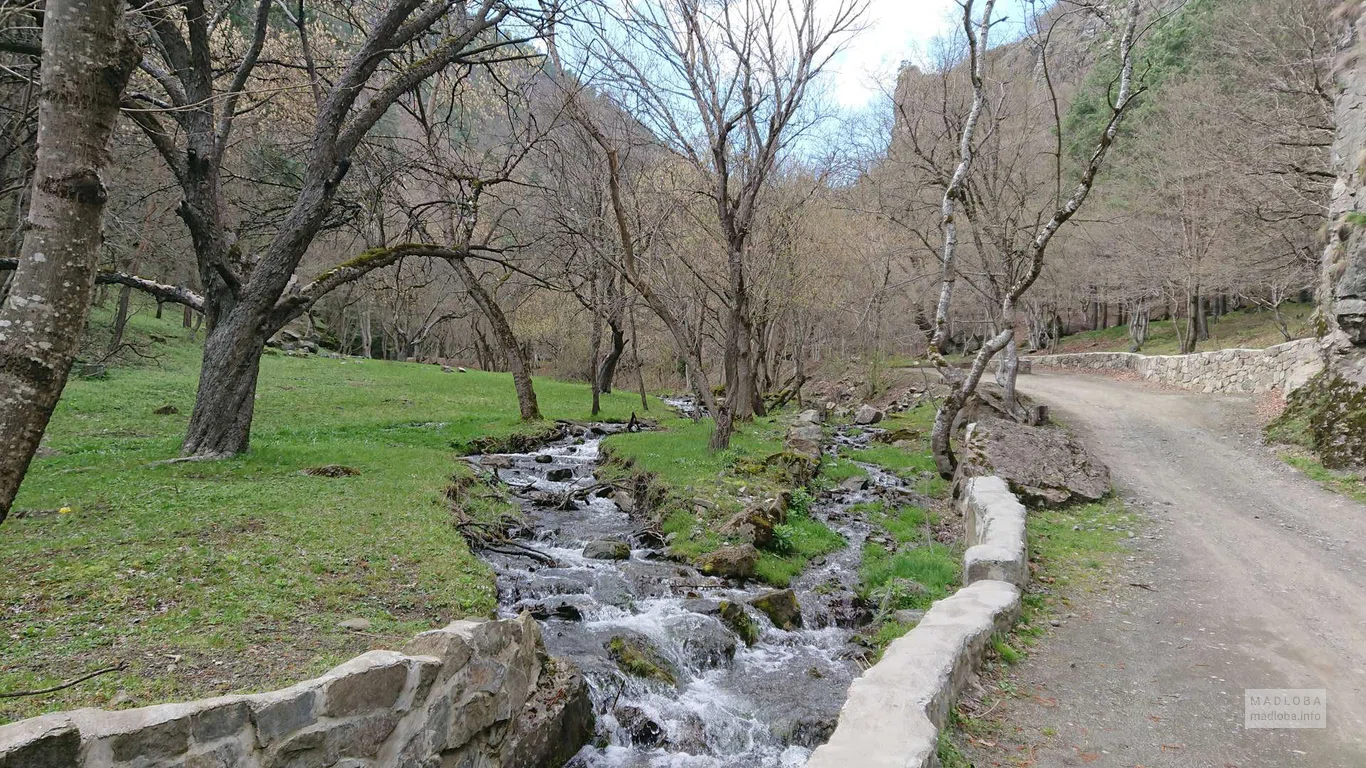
895	31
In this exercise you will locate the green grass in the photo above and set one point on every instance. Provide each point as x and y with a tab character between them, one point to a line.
682	463
907	524
799	540
934	567
839	470
1346	483
915	465
225	576
680	458
1246	329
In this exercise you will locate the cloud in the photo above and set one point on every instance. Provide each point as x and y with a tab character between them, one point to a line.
895	31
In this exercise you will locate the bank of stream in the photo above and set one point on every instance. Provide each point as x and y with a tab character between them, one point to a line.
683	669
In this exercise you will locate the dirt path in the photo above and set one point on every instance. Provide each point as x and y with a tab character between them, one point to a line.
1260	579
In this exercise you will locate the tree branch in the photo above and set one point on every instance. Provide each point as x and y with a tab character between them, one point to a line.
162	292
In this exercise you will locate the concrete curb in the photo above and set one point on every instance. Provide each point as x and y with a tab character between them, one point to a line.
995	522
895	710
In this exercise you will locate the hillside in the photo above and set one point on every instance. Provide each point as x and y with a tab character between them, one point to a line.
1243	329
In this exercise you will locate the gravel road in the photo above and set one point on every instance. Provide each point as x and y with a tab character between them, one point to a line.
1258	579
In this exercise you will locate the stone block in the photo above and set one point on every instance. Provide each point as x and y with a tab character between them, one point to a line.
368	682
995	526
50	741
895	710
279	713
219	718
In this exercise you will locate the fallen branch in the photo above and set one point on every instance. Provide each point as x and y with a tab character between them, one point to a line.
121	666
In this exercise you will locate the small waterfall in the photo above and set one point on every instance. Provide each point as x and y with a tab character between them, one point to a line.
719	702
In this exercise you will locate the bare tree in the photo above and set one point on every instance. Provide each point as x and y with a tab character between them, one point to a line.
723	86
1035	247
252	292
87	59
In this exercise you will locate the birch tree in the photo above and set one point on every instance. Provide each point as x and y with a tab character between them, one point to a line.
1032	252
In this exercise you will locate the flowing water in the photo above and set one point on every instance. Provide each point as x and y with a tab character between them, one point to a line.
733	705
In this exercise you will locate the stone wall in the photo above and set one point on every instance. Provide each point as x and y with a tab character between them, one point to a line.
896	709
1285	367
476	694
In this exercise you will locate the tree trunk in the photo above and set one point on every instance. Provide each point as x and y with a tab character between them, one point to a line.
502	330
365	333
635	358
87	58
595	345
187	319
1138	327
220	425
607	371
1192	322
120	320
1202	318
1010	370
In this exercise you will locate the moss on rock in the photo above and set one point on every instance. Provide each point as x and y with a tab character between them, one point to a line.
638	659
1328	416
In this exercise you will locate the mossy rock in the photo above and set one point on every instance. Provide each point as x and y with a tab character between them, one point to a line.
637	658
521	442
781	608
1328	416
791	469
733	615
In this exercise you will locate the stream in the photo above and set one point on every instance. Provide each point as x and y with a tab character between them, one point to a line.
730	704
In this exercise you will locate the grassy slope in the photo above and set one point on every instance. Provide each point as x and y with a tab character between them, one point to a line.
1246	329
231	575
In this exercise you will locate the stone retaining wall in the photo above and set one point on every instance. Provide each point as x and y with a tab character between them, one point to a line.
896	709
1285	367
476	693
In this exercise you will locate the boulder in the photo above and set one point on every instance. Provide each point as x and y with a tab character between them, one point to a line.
640	728
1042	465
607	550
749	526
561	475
810	416
733	615
781	608
867	414
793	468
855	483
730	562
705	640
804	439
908	616
543	458
894	436
637	657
